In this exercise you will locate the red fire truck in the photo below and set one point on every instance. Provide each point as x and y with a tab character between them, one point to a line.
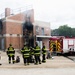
62	44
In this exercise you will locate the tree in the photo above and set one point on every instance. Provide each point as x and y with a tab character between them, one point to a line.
73	32
54	32
65	31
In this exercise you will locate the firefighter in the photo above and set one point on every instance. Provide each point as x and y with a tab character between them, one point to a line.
43	53
26	54
31	55
11	54
37	54
54	49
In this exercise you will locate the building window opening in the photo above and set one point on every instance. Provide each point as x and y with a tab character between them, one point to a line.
42	31
37	29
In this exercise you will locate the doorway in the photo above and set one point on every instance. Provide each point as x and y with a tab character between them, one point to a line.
2	43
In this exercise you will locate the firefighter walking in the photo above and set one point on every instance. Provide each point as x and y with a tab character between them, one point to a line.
11	54
26	54
37	54
43	53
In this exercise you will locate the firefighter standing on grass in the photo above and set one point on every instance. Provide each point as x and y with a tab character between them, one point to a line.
43	53
37	54
26	54
11	54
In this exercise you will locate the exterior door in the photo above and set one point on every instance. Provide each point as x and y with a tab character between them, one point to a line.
2	43
39	43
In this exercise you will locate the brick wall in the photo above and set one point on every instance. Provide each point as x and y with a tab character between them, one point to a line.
13	27
17	42
41	24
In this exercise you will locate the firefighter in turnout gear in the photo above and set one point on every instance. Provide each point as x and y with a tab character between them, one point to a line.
43	53
54	49
11	54
26	54
31	55
37	54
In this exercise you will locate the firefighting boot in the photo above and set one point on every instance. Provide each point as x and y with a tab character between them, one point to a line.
9	62
24	64
27	63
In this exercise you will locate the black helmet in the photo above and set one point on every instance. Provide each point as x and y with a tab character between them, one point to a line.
10	44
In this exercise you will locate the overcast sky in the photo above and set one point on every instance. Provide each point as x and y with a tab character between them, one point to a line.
57	12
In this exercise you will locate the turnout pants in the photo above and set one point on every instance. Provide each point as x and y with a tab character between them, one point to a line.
26	60
37	59
11	57
43	58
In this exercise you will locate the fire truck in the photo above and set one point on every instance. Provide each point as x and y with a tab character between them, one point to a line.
62	44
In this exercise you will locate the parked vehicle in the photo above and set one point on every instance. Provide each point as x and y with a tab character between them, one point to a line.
62	44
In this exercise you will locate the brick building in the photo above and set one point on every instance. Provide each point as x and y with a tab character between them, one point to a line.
13	29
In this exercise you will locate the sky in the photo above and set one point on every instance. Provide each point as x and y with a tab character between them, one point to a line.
56	12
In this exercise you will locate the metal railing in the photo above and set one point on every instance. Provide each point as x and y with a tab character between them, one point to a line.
16	11
2	15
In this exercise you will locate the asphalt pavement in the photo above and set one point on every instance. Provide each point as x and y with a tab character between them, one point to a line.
59	65
56	62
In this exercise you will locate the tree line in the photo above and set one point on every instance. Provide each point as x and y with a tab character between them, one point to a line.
63	30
